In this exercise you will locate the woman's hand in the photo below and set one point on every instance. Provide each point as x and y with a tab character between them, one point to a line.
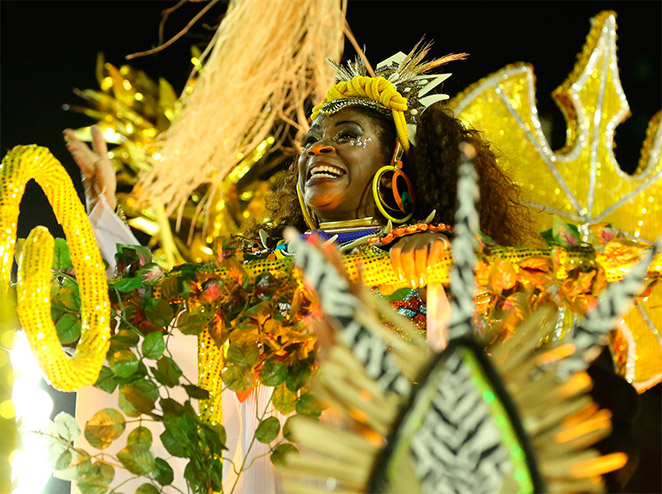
412	254
95	166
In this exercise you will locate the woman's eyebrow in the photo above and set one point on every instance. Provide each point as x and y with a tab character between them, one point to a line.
352	122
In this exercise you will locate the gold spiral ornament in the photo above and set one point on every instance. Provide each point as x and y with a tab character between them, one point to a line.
19	166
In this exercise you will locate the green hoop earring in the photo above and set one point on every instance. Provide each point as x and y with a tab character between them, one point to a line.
308	216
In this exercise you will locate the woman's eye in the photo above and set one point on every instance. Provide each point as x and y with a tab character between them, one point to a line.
343	136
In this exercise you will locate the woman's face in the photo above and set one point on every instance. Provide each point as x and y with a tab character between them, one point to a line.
341	154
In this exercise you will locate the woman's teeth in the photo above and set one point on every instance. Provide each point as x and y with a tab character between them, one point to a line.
326	171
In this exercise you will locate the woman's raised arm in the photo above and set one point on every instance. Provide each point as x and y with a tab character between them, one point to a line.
95	166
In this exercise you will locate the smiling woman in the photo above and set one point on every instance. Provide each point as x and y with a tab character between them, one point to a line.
342	152
359	167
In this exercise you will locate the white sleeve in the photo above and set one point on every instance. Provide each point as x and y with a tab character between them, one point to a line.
109	230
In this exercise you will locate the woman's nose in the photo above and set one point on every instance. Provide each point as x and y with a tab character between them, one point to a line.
321	147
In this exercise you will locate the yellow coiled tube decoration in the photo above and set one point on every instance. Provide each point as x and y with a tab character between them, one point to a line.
376	89
19	166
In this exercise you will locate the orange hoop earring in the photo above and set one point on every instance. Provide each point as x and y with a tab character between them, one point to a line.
398	206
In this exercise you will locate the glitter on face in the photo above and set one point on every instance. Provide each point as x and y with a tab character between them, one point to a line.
360	142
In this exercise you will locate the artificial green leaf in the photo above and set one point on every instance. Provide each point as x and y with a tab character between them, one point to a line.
104	427
222	436
243	355
273	373
267	430
486	240
147	489
68	328
216	475
163	472
130	258
194	322
65	295
153	345
170	288
196	392
281	452
63	461
297	376
167	372
61	256
238	379
287	428
213	440
179	431
125	285
308	405
212	290
91	488
150	273
565	234
97	479
172	444
548	236
158	312
234	304
140	396
137	459
171	407
193	477
266	285
284	400
140	435
80	463
66	426
56	452
106	380
127	337
147	387
123	363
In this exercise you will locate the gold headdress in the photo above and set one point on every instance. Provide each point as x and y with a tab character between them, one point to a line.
399	87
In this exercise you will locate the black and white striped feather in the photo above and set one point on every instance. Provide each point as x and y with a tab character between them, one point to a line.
340	304
462	279
458	447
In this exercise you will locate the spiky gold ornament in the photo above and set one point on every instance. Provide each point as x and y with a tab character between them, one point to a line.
582	182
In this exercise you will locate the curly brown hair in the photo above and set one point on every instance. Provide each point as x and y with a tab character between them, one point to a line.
432	166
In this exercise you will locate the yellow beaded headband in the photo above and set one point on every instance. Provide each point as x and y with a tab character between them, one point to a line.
396	76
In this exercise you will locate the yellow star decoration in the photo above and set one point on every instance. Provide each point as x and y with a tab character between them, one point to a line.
582	183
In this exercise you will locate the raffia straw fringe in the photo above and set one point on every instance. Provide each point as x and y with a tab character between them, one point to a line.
329	467
408	357
551	417
250	78
320	437
594	484
296	486
404	325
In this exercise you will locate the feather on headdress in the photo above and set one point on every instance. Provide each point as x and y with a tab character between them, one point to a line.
400	87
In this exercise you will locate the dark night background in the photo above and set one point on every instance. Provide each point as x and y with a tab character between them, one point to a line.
48	48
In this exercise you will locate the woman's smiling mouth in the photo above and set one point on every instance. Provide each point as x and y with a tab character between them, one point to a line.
323	172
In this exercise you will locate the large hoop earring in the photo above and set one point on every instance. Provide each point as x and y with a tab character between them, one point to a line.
308	215
398	205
